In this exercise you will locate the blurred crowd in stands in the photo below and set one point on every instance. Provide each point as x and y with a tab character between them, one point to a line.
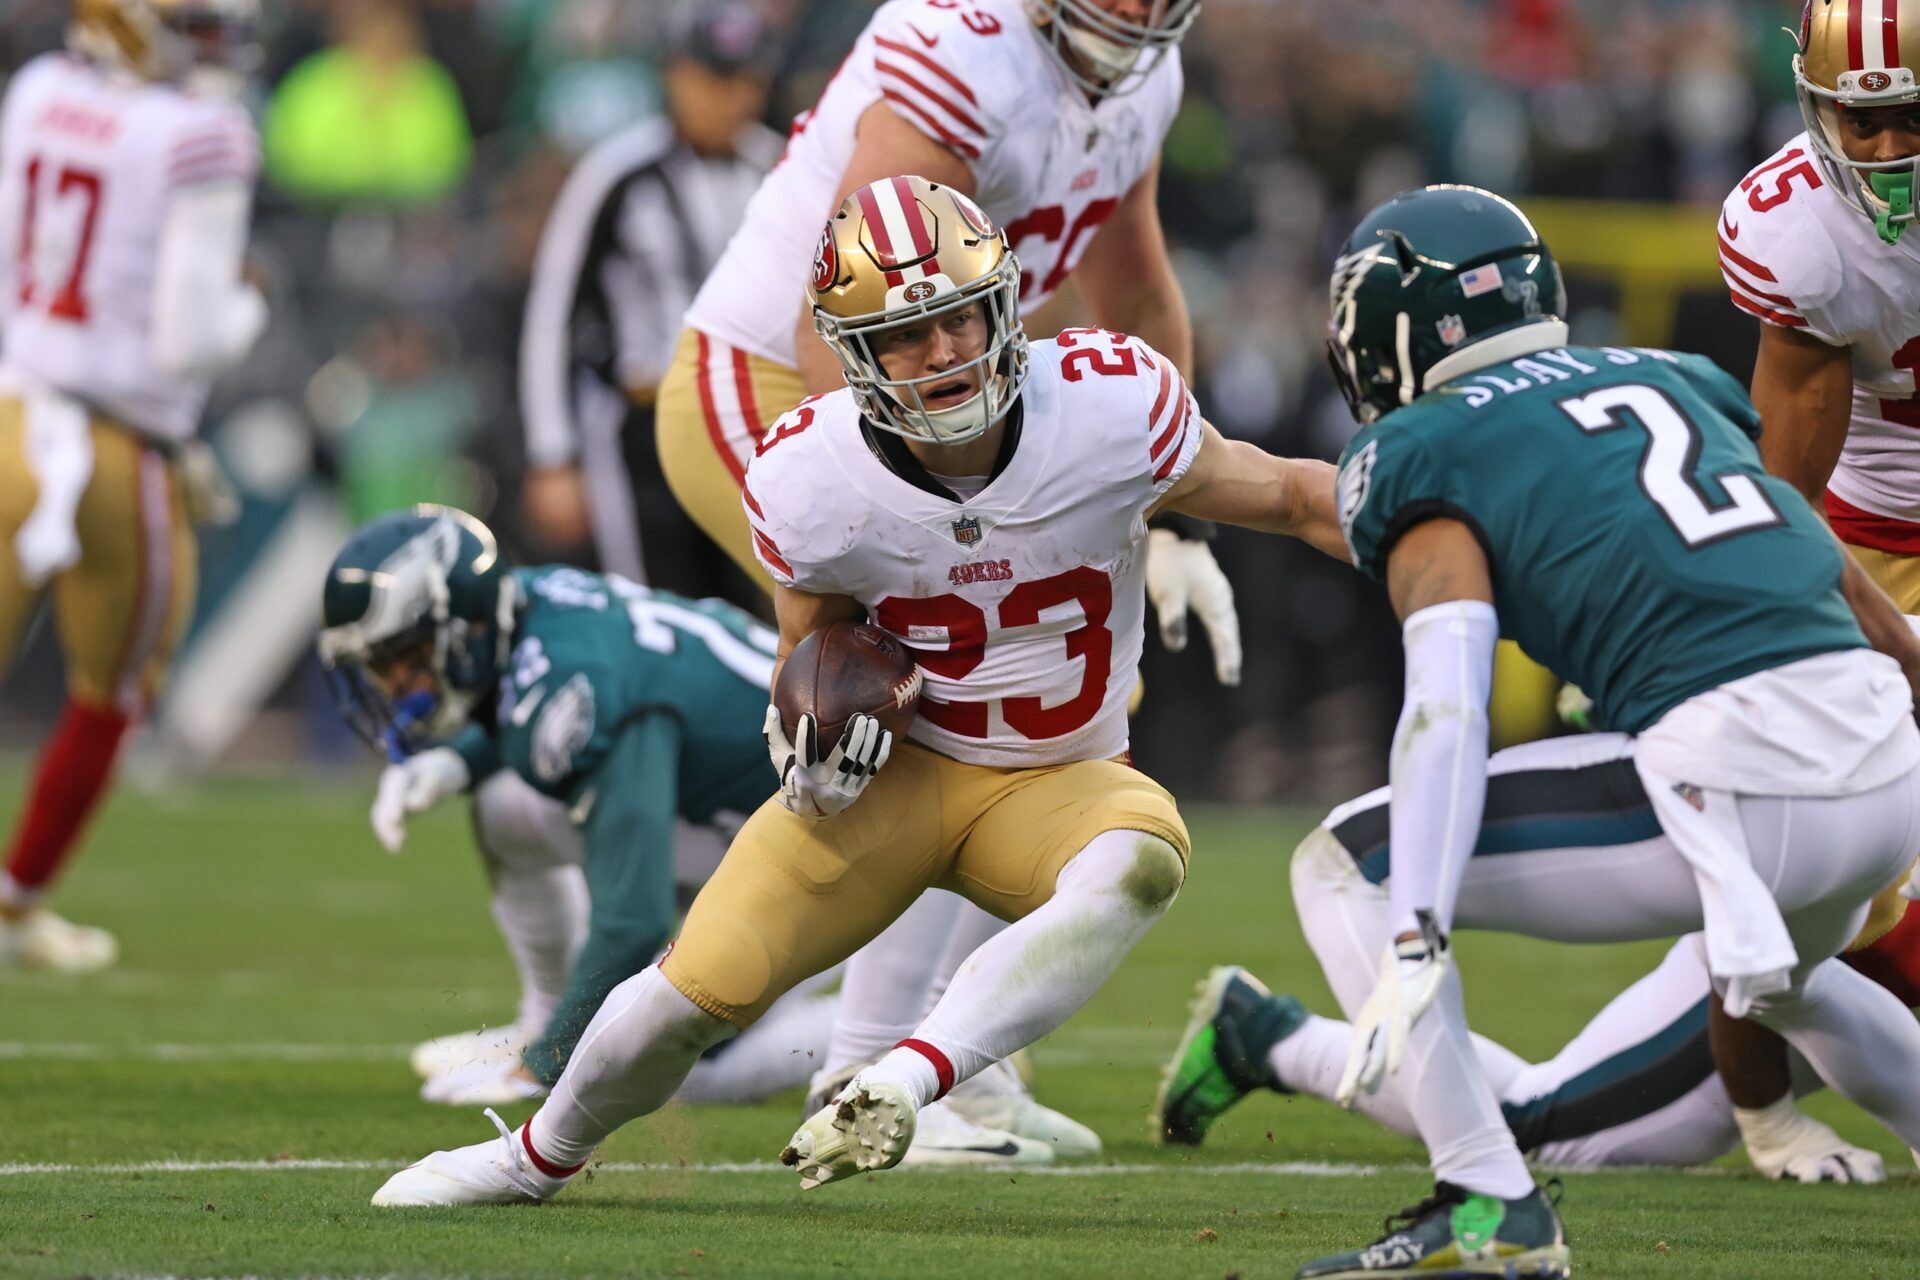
412	148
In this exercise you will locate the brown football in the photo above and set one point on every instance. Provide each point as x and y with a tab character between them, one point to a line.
842	670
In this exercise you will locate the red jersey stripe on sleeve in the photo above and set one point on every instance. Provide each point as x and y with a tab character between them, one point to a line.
770	553
909	52
1735	279
906	82
932	126
1781	318
1165	468
1730	254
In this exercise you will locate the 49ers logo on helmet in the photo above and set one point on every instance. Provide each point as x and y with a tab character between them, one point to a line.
919	291
826	262
1875	81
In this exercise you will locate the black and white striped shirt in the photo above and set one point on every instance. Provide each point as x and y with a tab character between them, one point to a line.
635	229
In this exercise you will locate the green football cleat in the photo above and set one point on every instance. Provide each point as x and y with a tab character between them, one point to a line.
1457	1233
1222	1055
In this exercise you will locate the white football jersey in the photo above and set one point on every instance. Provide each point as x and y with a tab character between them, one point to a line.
1025	604
1049	166
88	162
1796	254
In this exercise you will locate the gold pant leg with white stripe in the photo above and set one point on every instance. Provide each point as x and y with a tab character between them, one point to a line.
1899	577
714	404
122	609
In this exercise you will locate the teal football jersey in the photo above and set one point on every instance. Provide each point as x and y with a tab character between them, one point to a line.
593	653
1638	547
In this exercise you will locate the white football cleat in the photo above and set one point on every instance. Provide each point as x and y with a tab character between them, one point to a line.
489	1046
42	940
998	1098
496	1172
867	1130
485	1084
943	1136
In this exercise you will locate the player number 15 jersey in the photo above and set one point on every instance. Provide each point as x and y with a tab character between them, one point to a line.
1024	605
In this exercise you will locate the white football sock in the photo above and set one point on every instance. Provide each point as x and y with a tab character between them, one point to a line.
533	853
633	1055
884	993
1858	1037
1468	1142
778	1052
969	933
542	913
1035	974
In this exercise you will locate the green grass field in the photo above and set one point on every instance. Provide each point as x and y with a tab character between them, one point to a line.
226	1101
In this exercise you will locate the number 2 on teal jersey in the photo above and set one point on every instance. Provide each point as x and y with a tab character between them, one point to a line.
1669	462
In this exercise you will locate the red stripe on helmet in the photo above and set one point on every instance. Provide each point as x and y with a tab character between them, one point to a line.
1890	32
922	242
1856	46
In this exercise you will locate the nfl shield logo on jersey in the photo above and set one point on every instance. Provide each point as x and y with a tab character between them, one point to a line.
966	531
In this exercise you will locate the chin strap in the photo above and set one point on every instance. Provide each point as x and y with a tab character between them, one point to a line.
1897	190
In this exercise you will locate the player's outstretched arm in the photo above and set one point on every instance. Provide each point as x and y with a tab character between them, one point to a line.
1238	483
1127	280
1803	388
885	145
1886	628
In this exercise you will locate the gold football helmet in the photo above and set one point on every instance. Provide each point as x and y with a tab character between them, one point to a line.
906	251
1857	54
1120	51
214	41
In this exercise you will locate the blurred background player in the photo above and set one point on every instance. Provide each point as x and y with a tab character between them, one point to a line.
1819	244
126	180
640	222
583	713
1051	114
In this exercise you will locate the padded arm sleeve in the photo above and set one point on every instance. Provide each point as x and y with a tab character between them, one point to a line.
205	316
1439	762
630	881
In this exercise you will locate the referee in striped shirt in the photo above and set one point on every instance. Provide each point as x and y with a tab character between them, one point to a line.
633	233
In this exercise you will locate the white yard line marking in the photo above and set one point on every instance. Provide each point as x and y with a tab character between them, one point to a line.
1295	1169
267	1051
1272	1169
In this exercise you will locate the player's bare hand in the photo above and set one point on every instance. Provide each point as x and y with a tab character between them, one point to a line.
818	782
1182	575
556	506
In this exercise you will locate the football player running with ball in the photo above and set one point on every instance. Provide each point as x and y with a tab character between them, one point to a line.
984	500
1051	115
1613	504
126	185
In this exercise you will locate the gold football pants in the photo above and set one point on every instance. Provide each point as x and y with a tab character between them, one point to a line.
794	897
714	405
123	606
1899	577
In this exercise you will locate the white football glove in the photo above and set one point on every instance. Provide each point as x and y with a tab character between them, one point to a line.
1181	575
1786	1145
818	785
415	785
1411	973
